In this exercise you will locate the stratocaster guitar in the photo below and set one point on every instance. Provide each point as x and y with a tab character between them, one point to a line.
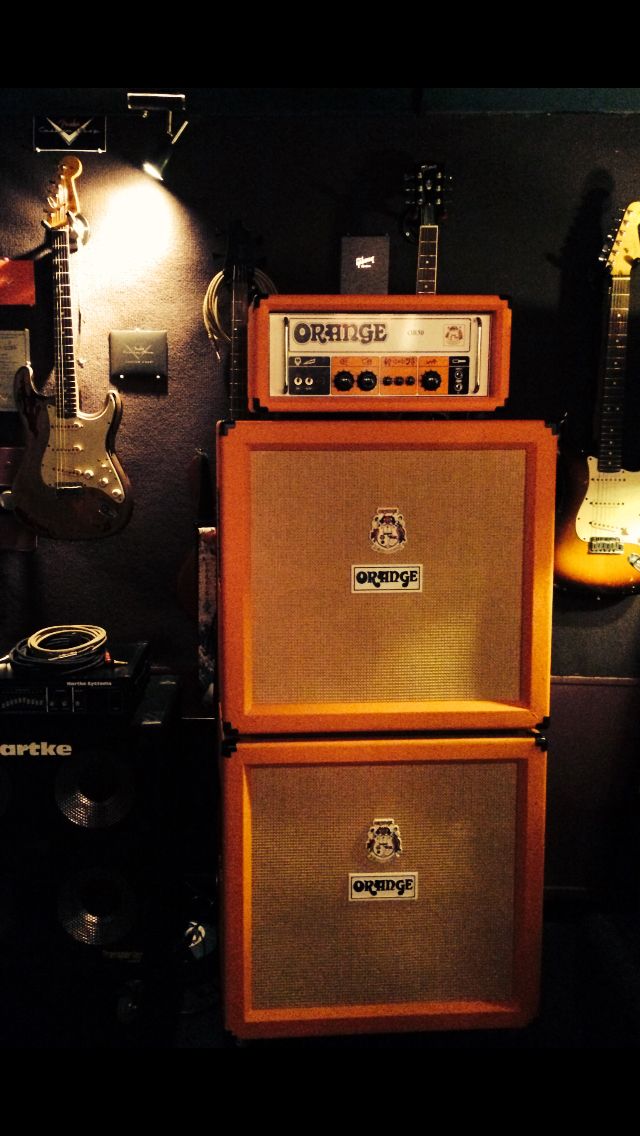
70	485
598	528
425	194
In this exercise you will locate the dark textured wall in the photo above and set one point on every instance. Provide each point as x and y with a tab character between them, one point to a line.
533	197
147	264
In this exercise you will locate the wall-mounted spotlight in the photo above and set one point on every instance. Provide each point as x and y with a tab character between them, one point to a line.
146	101
157	162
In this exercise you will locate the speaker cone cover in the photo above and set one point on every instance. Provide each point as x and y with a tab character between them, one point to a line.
97	907
94	790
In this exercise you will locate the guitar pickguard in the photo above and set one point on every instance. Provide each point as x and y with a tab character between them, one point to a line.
70	484
598	529
75	455
610	510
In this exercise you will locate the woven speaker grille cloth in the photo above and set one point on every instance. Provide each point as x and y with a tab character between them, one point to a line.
313	947
314	641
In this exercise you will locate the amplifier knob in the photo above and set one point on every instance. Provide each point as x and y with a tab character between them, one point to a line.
399	380
430	380
367	380
387	381
343	381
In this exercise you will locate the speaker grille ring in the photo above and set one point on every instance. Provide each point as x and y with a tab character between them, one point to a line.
97	907
95	789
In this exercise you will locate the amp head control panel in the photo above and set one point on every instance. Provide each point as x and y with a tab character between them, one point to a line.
409	353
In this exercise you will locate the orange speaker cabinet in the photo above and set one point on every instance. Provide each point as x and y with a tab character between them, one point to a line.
385	575
377	885
331	354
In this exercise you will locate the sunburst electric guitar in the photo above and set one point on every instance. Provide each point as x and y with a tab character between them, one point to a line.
70	485
598	530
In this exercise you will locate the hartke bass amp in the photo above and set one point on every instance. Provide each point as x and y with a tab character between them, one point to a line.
381	885
385	575
337	354
86	863
101	691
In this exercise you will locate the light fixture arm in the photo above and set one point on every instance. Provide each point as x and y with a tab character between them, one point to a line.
181	128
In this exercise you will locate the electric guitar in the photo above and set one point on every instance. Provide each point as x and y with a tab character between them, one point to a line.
598	529
70	485
425	196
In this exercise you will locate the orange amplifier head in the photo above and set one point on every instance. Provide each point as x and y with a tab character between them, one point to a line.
335	354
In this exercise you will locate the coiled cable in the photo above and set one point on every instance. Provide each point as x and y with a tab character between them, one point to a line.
211	314
70	647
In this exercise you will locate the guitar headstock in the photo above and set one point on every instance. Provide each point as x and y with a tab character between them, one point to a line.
622	248
63	204
240	258
426	190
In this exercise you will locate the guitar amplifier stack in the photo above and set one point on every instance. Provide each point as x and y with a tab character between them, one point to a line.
385	627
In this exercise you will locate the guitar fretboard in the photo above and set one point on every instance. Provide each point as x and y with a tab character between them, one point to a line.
611	410
238	350
67	401
427	273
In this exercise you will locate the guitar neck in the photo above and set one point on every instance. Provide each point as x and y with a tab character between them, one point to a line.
427	260
238	350
611	408
67	400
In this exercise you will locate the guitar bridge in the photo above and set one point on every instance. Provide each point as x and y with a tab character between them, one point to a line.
606	546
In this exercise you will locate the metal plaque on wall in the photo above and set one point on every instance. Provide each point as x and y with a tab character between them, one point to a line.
70	132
